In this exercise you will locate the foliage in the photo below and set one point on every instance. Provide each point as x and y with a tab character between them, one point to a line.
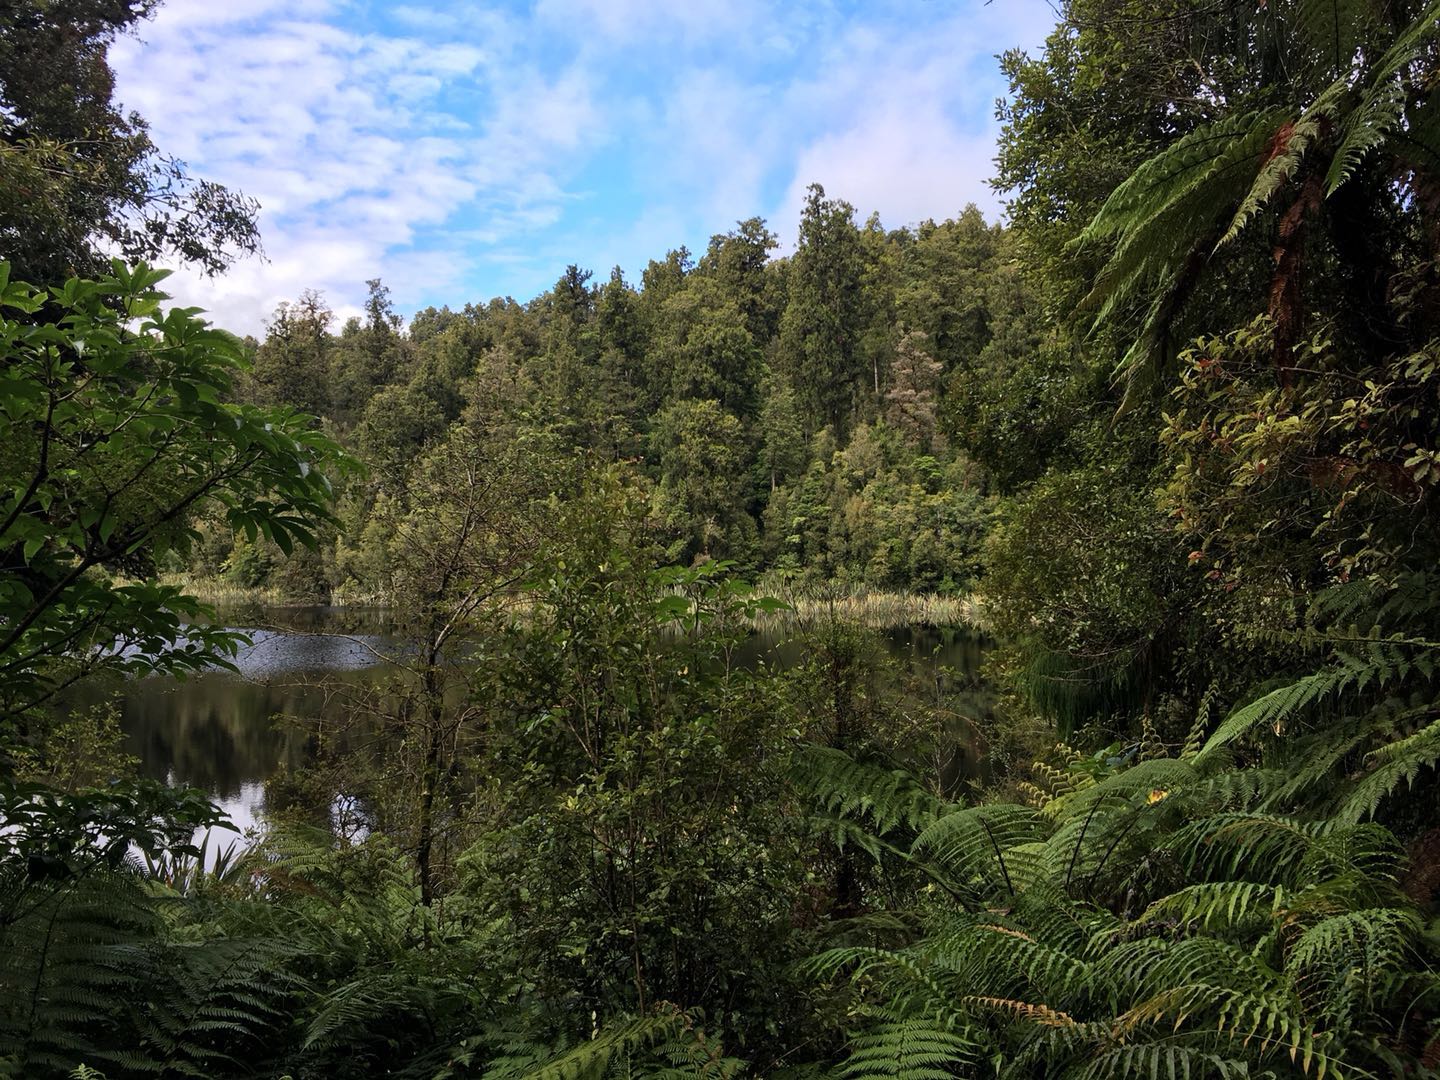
602	838
1146	922
114	435
80	178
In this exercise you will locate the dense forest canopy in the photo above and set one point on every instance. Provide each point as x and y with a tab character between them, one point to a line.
714	378
1173	427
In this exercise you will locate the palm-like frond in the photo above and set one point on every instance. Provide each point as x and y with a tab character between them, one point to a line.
1221	974
909	1049
1357	88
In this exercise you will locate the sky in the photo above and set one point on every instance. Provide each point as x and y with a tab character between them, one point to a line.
469	150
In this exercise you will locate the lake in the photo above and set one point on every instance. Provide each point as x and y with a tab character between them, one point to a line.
217	731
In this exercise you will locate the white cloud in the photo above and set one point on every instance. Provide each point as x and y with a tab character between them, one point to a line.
341	137
468	139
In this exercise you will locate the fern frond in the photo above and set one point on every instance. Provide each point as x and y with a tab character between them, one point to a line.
889	798
1397	763
1164	1061
1279	706
1174	197
1381	109
1290	145
971	844
589	1060
1217	905
909	1048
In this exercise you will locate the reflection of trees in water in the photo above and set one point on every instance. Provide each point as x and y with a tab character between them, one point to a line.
218	732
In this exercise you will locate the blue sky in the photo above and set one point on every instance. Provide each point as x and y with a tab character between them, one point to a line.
463	151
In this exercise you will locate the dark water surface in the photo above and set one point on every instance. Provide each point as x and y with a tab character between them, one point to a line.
217	731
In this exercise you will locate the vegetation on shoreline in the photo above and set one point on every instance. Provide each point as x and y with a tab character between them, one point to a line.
1178	423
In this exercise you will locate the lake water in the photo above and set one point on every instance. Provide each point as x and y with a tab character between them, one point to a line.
217	731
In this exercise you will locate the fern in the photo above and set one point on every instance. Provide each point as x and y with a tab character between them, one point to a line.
909	1049
889	799
970	845
1164	1062
1279	707
1218	905
1228	973
1355	87
591	1059
1396	763
1284	160
1380	112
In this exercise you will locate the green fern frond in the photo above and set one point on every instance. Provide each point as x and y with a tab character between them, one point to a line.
1396	763
1217	905
1292	141
1380	112
889	798
1174	197
1264	847
1280	706
1164	1061
971	844
1155	776
910	1048
590	1060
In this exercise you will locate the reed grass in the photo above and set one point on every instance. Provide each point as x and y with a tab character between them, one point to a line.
876	610
807	605
221	593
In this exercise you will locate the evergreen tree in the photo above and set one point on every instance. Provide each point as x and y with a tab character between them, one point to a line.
824	320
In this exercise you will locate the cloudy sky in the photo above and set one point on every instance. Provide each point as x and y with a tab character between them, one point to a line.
462	151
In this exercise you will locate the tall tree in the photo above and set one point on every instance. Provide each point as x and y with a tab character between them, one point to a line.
368	356
292	363
738	260
911	400
820	331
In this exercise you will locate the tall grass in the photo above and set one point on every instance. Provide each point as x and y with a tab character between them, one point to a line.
807	603
863	607
221	593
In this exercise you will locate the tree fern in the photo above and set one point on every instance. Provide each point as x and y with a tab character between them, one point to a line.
1355	88
971	844
1380	113
1058	963
1390	766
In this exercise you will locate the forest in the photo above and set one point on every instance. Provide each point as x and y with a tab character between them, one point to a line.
1168	436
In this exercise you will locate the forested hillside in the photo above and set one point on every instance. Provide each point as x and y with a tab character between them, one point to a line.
1175	425
812	414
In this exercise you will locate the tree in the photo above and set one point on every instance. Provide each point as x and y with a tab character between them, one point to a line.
820	331
1345	140
291	365
738	261
455	552
703	342
910	402
369	355
114	435
77	176
782	434
642	856
700	448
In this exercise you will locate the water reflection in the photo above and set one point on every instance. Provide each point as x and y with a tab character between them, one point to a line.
218	731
